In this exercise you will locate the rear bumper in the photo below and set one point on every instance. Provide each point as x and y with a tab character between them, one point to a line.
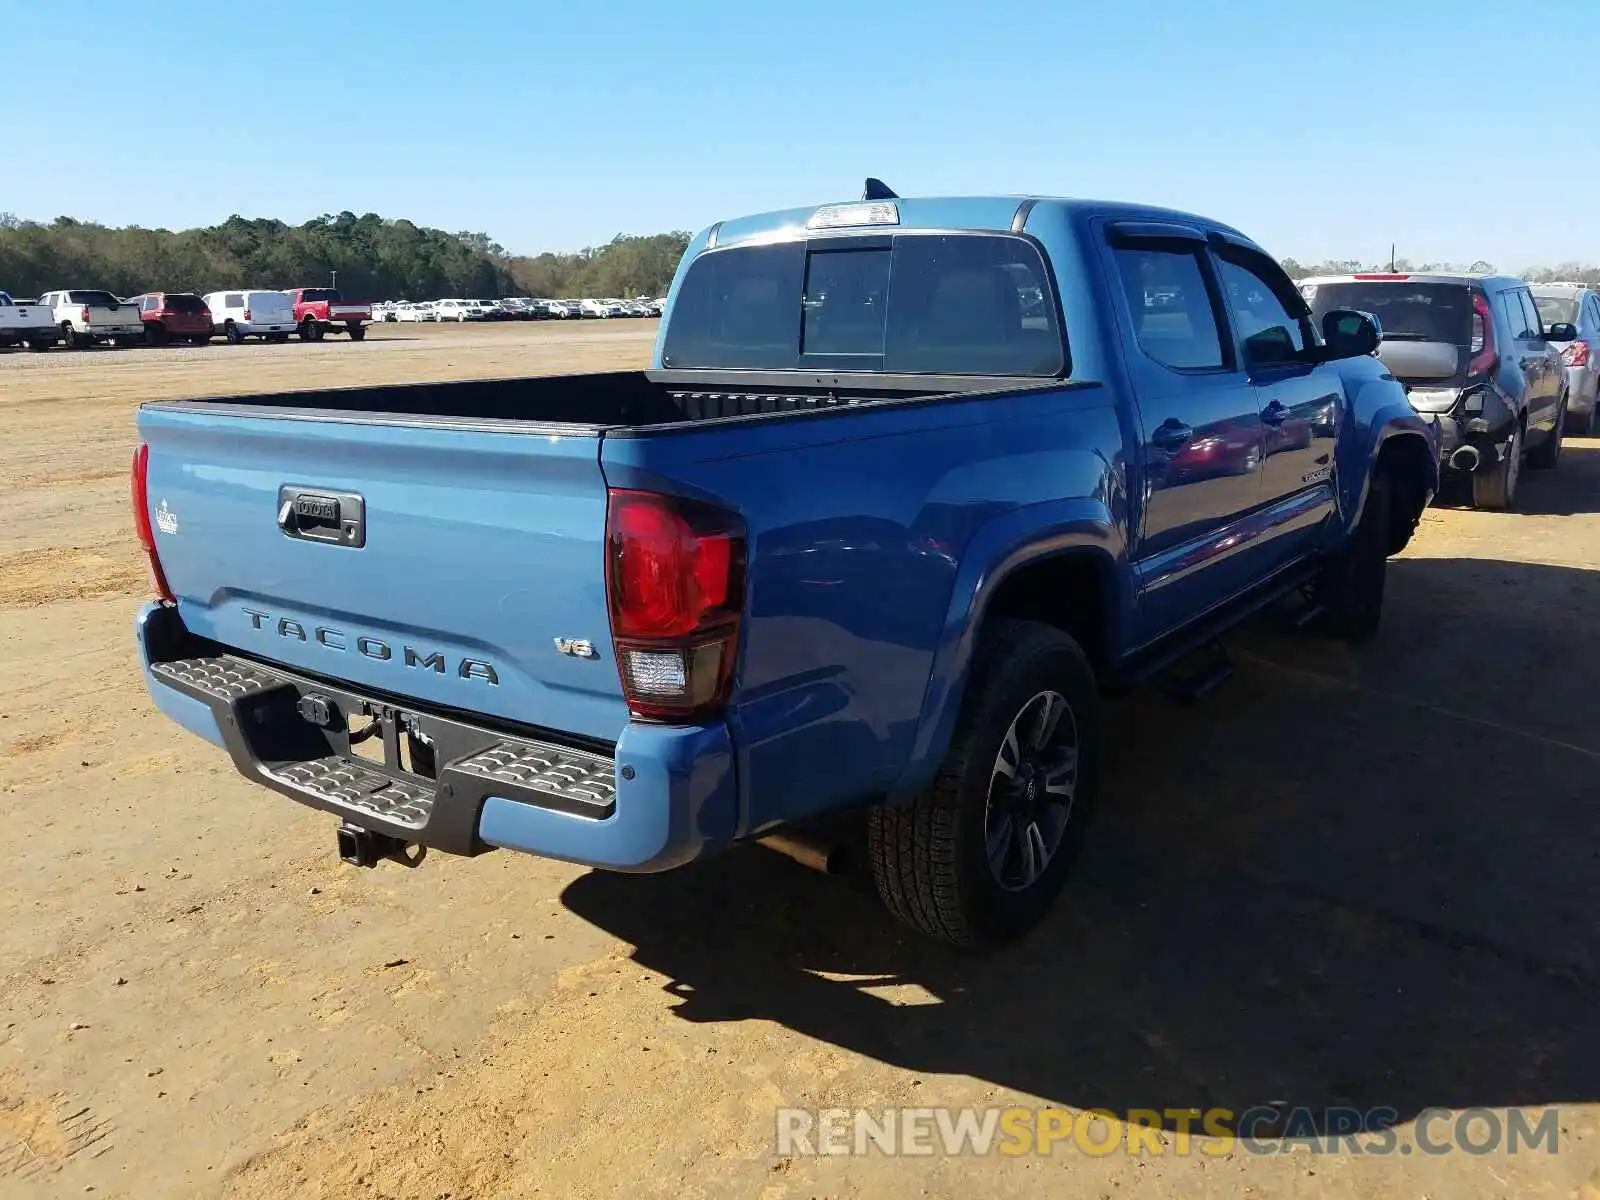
102	331
665	795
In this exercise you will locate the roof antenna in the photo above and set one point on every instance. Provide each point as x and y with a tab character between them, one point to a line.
877	189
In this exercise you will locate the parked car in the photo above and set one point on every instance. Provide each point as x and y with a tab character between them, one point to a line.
261	313
321	311
490	310
601	308
1578	306
88	315
26	323
708	653
174	315
558	310
418	311
1479	364
457	310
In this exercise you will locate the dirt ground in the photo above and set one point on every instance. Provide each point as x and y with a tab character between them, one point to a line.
1364	878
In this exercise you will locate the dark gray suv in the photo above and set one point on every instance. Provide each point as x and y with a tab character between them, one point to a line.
1476	359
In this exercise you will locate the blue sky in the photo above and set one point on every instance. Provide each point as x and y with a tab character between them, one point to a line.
556	125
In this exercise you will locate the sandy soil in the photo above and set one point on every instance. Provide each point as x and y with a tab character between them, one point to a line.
1365	878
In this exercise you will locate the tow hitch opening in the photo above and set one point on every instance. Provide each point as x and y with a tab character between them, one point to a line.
363	848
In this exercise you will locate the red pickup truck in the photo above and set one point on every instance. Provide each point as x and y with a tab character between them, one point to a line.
318	311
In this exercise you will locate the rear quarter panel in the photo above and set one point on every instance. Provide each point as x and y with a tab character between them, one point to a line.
872	535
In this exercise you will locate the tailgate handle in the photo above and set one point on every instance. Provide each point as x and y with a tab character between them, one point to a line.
318	515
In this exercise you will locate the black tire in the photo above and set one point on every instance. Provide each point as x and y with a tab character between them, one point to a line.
1350	587
356	332
1496	488
155	333
72	338
1547	453
310	331
39	345
233	333
201	339
931	859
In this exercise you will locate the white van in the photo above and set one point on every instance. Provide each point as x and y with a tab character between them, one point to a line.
242	314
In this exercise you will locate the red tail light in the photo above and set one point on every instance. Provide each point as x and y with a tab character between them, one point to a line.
675	585
83	314
1577	354
247	314
141	522
1482	348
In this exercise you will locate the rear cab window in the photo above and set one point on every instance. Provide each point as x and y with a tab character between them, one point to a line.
100	299
904	303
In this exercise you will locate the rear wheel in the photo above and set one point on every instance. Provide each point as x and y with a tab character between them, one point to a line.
310	331
356	332
201	339
1496	488
979	857
156	334
73	339
1547	453
233	333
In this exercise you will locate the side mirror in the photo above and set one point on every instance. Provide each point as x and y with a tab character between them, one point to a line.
1350	333
1561	331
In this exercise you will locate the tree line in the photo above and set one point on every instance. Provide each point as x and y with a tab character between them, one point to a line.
373	258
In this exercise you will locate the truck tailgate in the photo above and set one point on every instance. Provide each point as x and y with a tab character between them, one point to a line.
121	316
459	562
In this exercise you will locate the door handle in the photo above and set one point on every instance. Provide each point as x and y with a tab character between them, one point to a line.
1172	434
1275	413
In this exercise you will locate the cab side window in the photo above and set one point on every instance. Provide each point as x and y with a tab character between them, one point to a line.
1520	323
1269	332
1173	314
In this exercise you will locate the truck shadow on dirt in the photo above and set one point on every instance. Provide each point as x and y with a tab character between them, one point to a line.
1351	878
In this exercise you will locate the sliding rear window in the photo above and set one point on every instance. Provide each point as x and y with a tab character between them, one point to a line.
947	304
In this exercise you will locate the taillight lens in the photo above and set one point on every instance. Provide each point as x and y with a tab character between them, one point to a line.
141	522
1577	354
83	314
675	584
247	314
1482	347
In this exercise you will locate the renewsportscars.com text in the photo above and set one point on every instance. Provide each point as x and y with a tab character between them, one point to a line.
1267	1129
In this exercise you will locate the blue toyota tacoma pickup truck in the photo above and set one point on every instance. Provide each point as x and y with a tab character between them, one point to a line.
910	484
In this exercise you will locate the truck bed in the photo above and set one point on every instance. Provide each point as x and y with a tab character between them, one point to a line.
616	400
